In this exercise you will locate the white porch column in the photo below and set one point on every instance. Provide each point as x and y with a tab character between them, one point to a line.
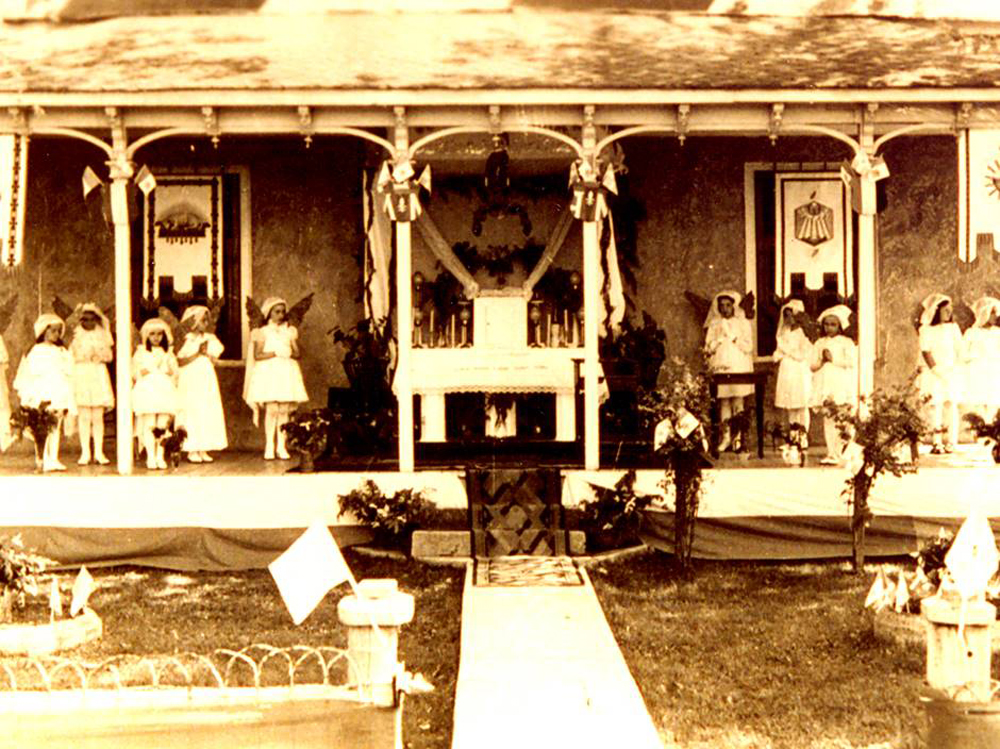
404	306
121	173
404	331
591	301
867	302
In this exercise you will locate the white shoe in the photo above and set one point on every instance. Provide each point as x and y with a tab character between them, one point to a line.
724	444
283	454
206	458
52	465
269	455
195	457
84	460
829	460
151	465
101	460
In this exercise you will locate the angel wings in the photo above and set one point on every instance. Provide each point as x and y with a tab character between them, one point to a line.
295	315
180	328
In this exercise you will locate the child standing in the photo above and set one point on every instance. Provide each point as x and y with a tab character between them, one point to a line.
794	356
154	395
981	354
45	375
92	348
273	377
729	346
200	404
834	366
939	377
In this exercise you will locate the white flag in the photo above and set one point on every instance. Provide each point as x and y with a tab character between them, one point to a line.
55	600
145	180
902	594
309	569
90	181
83	586
973	557
877	593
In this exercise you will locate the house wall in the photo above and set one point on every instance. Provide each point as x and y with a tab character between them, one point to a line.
306	216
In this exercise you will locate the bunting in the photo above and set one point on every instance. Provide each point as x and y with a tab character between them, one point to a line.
400	194
13	181
378	249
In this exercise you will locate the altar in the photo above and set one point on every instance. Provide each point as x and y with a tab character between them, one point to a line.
497	359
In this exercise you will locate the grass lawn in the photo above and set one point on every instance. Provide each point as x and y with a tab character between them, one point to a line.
151	612
756	655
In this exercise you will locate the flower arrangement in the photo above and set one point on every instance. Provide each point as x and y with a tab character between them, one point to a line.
19	570
172	438
391	518
881	431
35	424
986	430
306	433
615	513
646	345
367	352
677	412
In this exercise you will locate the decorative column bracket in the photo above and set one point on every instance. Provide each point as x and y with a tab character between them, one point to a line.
683	122
211	118
495	124
20	120
774	126
963	116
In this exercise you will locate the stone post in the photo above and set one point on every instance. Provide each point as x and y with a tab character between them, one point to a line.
959	660
373	617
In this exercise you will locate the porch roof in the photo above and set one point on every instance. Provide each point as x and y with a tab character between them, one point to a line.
525	48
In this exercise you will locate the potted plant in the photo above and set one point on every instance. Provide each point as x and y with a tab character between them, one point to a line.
35	424
19	570
612	519
367	354
987	430
306	434
880	433
392	519
676	413
636	349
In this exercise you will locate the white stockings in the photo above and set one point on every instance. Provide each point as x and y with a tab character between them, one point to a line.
91	421
275	416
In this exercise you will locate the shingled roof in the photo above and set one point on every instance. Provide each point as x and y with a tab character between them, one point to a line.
520	49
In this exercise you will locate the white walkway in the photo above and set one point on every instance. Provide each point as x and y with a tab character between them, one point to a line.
540	668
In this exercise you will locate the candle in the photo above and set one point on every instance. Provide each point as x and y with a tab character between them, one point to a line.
433	329
451	338
548	328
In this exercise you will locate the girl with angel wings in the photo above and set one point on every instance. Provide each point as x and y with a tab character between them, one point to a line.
92	348
273	377
199	408
154	394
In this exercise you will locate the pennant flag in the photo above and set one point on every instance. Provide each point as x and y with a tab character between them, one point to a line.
309	569
853	458
90	181
425	178
663	432
615	289
13	182
877	592
973	557
609	182
55	600
378	249
145	180
83	586
902	596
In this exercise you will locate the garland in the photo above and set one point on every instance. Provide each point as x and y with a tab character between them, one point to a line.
498	260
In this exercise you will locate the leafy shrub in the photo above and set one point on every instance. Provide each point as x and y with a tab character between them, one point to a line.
391	518
19	570
615	512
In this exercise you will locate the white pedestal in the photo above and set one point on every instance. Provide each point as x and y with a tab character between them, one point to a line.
565	417
432	417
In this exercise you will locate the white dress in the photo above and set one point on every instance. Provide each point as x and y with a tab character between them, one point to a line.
729	342
794	382
199	401
154	372
279	378
45	374
91	352
835	380
943	382
981	354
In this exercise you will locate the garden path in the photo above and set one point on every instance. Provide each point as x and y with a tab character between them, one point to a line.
540	667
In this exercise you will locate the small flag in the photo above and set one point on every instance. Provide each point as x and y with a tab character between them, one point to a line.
663	432
876	594
90	181
309	569
973	557
609	182
425	178
83	586
55	600
687	422
145	180
902	596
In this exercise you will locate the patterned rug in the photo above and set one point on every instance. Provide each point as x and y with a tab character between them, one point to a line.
526	571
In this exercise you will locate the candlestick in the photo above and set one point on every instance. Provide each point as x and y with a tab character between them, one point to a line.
433	330
451	337
548	328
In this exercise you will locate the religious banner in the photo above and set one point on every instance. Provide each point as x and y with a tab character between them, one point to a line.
813	234
182	230
978	195
13	181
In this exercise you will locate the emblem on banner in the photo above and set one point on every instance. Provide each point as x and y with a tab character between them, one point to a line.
814	222
401	194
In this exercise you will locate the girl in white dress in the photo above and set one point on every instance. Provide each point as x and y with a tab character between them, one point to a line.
273	377
835	378
981	356
45	375
939	373
729	346
200	403
92	348
793	353
154	394
5	434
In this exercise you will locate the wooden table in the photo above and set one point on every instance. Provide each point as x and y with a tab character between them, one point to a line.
759	382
